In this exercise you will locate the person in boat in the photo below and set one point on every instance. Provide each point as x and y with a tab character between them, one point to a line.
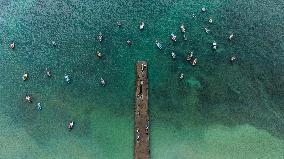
181	76
159	45
12	45
70	125
189	56
118	23
29	99
203	9
129	42
207	30
39	107
194	62
173	37
99	54
210	20
182	28
233	59
214	45
67	78
231	36
100	37
141	26
103	83
25	77
173	55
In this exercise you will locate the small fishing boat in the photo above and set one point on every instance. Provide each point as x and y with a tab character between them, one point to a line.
100	37
143	66
147	128
99	54
233	58
48	72
214	45
118	23
173	37
182	28
231	36
207	30
12	45
159	45
189	56
67	78
210	20
29	99
129	42
103	83
53	43
194	62
70	125
181	76
141	26
25	77
137	135
184	37
173	55
39	107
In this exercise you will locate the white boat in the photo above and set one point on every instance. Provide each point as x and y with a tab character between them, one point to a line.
181	76
214	45
70	125
141	27
207	30
103	83
25	77
39	107
12	45
184	37
29	98
231	36
182	28
189	56
67	78
173	37
173	55
159	45
210	20
194	62
100	37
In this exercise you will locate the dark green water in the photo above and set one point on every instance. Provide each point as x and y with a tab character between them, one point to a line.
219	110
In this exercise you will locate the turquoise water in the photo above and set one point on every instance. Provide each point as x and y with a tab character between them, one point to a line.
218	111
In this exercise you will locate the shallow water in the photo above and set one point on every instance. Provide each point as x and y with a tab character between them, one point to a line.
218	111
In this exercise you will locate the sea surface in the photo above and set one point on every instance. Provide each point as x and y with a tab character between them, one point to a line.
218	111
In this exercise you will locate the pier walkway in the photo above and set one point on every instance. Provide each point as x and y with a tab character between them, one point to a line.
141	130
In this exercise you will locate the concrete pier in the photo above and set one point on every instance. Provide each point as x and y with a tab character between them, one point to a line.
141	129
